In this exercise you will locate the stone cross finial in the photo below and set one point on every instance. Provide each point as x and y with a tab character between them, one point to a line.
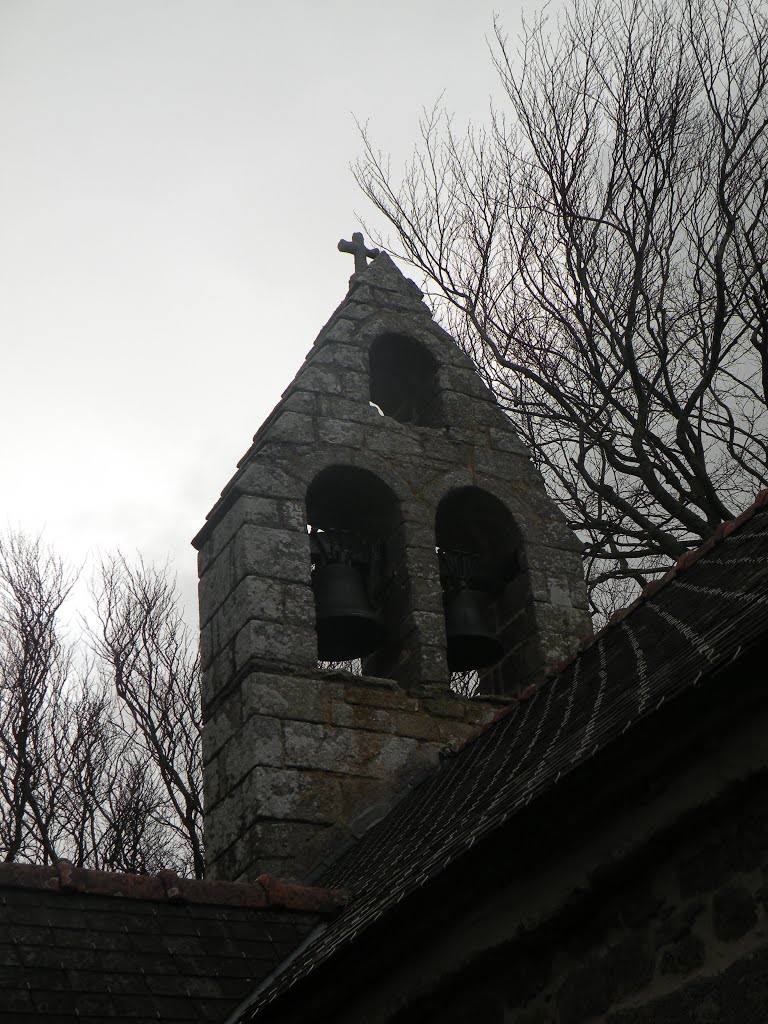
359	251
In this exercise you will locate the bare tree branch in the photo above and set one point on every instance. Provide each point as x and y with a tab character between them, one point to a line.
100	758
601	251
146	646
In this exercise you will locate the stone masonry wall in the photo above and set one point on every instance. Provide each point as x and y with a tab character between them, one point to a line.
683	942
297	765
255	595
293	757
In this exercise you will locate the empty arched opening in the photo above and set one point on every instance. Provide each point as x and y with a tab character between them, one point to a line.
403	380
484	589
355	529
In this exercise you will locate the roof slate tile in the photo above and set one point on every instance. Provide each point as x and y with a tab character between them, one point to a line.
80	945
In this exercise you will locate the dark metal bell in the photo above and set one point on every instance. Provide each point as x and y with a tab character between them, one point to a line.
347	626
471	642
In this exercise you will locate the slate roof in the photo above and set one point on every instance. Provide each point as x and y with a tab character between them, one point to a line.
709	610
79	945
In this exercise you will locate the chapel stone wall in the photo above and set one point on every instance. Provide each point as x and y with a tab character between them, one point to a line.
682	940
294	756
297	765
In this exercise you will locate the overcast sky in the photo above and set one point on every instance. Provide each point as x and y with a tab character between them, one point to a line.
174	178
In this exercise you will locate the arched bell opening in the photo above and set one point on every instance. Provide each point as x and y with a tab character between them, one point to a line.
403	380
479	554
355	529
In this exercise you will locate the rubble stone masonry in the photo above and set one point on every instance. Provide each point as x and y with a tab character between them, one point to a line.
297	759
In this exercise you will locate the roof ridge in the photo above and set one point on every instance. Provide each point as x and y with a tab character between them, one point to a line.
265	892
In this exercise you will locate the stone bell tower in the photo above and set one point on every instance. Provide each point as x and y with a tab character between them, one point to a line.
385	511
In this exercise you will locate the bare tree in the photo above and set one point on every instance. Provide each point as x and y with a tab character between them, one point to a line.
34	663
99	757
110	805
146	646
600	249
136	836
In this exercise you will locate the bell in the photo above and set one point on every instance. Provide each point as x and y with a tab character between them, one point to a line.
471	643
347	626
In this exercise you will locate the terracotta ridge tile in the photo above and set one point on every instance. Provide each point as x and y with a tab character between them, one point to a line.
166	886
302	897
